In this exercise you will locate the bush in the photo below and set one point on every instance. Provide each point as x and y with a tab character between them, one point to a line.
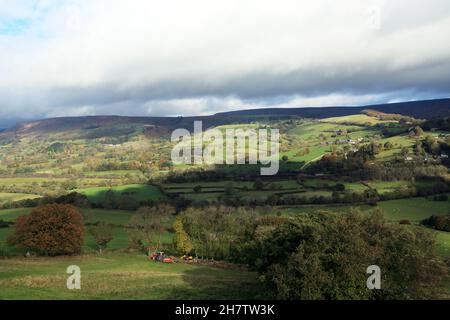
440	197
325	256
405	222
4	224
442	223
54	229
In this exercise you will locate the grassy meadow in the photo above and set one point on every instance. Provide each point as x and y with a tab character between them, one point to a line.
125	276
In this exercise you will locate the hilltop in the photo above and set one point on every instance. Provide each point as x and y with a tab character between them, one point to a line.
425	109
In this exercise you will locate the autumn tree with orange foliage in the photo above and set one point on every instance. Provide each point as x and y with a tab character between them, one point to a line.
51	230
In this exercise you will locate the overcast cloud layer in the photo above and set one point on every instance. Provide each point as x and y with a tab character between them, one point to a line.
178	57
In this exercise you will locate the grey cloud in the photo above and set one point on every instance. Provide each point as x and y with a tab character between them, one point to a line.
211	68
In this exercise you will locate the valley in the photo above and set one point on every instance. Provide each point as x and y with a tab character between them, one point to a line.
111	167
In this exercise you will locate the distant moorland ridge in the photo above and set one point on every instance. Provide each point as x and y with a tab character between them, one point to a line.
86	125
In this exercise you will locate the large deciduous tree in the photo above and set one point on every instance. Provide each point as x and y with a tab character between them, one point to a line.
103	234
54	229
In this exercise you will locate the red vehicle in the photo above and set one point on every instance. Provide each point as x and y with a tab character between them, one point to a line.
160	257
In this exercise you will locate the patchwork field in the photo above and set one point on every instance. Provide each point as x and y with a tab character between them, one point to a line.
359	119
16	196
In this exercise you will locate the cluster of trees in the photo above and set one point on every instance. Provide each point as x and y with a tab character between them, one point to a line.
439	124
112	200
390	116
359	166
320	256
76	199
147	226
212	232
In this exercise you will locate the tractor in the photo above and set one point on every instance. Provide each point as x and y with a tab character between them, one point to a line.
160	256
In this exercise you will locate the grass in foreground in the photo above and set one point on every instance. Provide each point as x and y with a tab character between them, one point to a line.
121	276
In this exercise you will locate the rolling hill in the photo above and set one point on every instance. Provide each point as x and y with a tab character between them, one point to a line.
426	109
100	127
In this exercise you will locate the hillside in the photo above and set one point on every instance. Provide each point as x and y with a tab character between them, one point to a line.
93	127
426	109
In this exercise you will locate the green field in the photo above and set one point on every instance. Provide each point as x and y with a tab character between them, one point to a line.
121	276
141	192
16	196
28	180
413	209
11	214
315	152
359	119
443	241
311	130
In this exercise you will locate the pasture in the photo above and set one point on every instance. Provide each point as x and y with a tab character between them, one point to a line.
4	197
140	192
358	119
121	276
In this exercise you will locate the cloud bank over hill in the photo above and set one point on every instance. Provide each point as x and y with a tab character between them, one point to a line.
81	57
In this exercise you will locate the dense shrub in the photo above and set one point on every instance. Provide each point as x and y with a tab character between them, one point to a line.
325	256
441	223
55	229
4	224
441	197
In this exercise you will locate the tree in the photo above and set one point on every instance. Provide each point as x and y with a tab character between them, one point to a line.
69	185
404	152
418	150
388	145
418	131
325	256
110	200
181	240
127	202
53	229
372	196
103	234
148	224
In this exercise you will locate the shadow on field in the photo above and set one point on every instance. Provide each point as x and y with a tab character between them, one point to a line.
215	284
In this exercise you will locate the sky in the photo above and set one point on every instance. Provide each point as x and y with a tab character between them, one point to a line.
199	57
